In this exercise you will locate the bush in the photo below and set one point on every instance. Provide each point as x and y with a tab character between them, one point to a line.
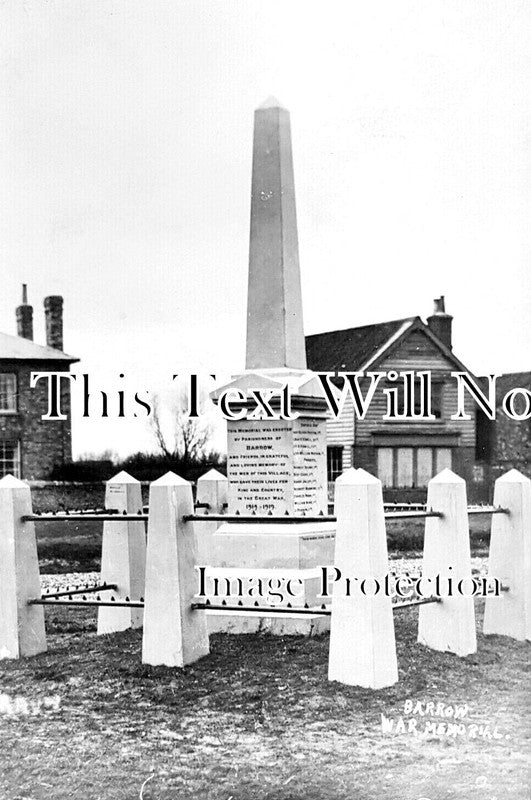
149	467
142	466
84	471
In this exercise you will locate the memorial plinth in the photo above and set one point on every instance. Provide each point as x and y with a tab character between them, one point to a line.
277	467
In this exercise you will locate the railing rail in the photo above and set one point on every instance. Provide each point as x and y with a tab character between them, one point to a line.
110	516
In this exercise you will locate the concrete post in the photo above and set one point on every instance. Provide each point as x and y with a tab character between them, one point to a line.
362	635
450	625
212	488
22	630
174	635
510	559
123	554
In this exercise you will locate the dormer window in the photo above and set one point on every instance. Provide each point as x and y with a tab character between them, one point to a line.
8	392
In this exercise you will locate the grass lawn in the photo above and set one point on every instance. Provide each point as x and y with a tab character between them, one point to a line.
69	546
256	719
76	546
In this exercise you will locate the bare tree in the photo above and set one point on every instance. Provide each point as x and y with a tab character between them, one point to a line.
178	437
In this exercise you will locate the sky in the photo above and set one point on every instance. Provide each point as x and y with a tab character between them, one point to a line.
125	150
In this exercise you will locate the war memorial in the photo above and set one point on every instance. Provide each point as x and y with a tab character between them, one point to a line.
276	467
268	520
267	523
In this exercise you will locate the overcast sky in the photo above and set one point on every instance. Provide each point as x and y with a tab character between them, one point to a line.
126	144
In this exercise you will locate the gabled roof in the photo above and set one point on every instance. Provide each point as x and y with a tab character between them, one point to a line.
357	349
351	348
19	349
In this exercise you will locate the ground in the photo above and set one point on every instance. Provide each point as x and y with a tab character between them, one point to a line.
257	719
76	546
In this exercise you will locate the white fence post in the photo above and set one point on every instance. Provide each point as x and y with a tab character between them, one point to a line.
123	554
510	558
174	635
449	625
212	488
362	635
22	630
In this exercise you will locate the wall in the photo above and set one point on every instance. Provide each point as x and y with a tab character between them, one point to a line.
43	443
417	353
511	445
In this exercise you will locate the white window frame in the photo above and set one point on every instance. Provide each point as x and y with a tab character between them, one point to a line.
391	461
6	392
334	473
15	445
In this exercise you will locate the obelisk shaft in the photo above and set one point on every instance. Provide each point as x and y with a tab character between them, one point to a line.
275	332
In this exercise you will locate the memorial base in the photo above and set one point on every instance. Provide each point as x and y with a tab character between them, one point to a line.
275	553
288	625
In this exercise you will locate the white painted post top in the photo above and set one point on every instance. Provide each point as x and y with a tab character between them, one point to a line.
122	477
10	482
356	477
513	476
170	479
447	476
212	475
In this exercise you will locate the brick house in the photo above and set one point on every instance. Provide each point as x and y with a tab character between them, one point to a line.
505	443
403	454
30	447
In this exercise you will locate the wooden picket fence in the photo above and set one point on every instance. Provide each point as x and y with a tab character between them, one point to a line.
153	584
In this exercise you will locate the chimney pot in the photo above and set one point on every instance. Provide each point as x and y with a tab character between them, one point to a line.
438	305
53	312
440	323
24	315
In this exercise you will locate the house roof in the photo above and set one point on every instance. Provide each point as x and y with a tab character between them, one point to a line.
355	349
19	349
352	348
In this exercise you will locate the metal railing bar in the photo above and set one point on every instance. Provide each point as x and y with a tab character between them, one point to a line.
264	610
411	603
487	510
98	603
88	517
251	518
87	590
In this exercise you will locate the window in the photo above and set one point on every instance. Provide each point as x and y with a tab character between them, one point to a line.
436	399
8	391
485	437
411	467
9	459
334	462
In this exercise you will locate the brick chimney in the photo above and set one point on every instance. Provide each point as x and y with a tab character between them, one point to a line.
53	311
440	323
25	316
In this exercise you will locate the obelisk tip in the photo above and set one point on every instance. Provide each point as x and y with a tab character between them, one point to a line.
271	102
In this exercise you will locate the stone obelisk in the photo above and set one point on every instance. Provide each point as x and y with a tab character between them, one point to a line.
276	466
275	332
